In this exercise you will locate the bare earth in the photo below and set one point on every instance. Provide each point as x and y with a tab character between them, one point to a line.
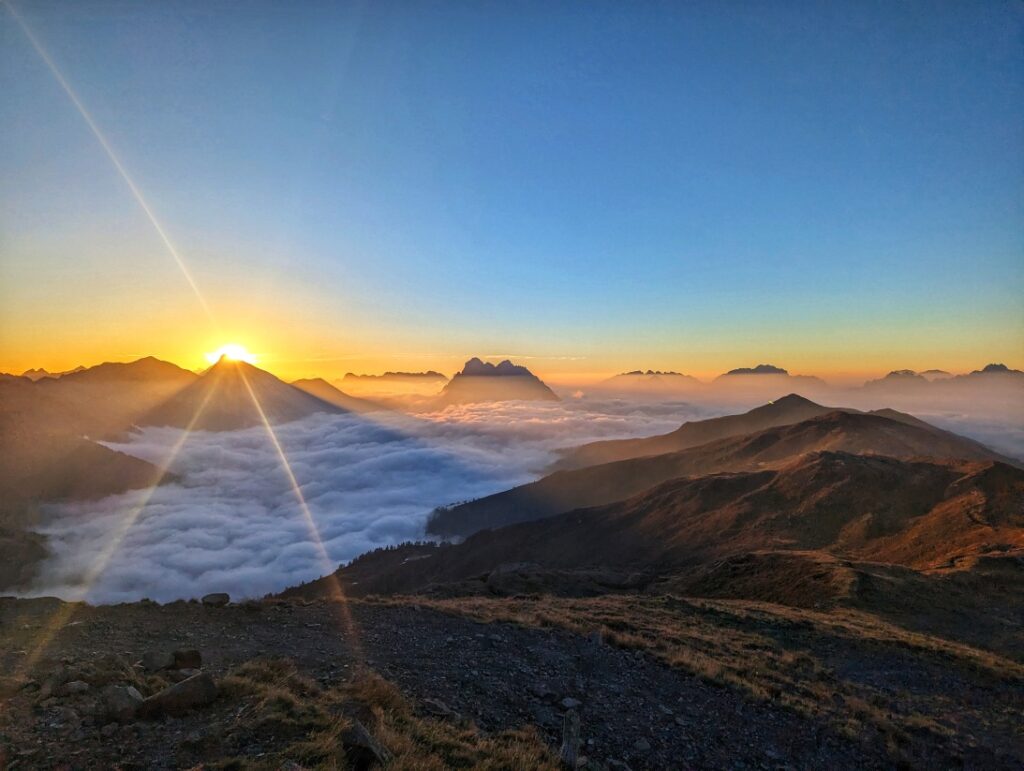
858	700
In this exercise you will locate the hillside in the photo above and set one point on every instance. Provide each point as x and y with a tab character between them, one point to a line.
47	457
597	485
918	514
789	409
324	391
110	398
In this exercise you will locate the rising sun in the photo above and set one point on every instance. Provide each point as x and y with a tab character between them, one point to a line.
232	351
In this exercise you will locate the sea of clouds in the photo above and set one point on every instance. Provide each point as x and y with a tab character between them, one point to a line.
231	520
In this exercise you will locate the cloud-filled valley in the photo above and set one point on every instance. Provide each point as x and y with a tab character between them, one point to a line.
231	521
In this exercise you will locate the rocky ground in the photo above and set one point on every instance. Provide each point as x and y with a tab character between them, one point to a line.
461	671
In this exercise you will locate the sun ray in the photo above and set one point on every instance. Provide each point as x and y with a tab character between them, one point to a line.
337	595
114	159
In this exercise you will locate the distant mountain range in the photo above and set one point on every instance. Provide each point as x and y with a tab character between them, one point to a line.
939	382
651	383
481	381
397	376
38	374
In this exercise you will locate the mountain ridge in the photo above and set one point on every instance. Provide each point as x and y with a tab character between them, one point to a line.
616	480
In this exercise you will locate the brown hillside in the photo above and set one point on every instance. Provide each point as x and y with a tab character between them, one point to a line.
836	431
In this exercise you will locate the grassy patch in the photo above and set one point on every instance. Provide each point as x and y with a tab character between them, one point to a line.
772	653
311	726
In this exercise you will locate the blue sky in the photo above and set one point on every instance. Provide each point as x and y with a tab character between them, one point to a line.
828	186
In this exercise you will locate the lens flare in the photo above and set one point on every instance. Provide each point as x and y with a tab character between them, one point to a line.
233	352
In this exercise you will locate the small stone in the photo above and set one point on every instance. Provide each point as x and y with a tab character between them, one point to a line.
570	703
74	688
440	709
177	675
108	730
121	702
642	745
197	691
216	599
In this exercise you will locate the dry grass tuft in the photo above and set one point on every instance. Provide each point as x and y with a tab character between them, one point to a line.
309	724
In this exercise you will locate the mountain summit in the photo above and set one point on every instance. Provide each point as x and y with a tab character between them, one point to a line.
231	394
760	369
481	381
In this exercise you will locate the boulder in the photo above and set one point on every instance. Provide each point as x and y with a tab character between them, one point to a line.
569	753
362	751
121	702
196	691
156	660
216	599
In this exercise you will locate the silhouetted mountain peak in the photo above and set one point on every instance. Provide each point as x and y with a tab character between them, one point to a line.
146	368
481	381
760	369
996	369
790	401
428	375
477	368
235	394
638	372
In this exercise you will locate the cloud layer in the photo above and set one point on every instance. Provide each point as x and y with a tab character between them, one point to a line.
233	522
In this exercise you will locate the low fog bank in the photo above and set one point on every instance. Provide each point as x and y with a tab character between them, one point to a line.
232	521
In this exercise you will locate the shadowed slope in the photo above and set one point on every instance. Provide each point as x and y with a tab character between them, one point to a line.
231	405
110	397
598	485
46	455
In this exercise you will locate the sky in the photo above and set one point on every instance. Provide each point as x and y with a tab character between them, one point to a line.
586	187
